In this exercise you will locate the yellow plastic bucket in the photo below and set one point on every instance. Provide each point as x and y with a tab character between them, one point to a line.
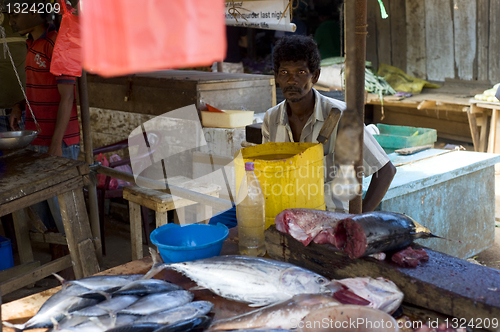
291	175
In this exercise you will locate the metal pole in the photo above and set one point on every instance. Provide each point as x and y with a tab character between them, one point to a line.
351	127
215	202
89	158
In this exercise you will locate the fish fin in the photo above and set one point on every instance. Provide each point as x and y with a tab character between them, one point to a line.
157	266
98	323
63	281
55	323
16	327
198	288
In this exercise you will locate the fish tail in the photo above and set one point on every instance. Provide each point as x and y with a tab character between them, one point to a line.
55	323
157	266
16	327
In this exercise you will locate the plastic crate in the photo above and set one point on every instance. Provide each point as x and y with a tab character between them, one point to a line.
398	137
6	259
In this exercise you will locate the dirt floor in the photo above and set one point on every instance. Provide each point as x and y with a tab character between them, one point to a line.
118	244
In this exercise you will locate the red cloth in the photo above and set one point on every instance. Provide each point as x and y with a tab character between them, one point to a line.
128	36
42	92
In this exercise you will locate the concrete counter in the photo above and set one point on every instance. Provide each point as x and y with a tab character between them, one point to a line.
450	192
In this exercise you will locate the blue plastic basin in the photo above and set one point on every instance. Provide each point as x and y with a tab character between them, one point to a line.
190	242
6	259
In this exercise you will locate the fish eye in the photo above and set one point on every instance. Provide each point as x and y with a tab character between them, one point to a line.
321	281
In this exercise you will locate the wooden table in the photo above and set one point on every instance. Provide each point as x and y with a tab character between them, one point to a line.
483	119
443	109
26	178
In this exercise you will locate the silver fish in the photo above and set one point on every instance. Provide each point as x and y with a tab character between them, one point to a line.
198	323
176	315
286	314
253	280
101	324
144	287
56	307
158	302
110	306
101	282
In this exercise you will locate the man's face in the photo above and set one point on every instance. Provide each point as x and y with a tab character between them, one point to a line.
295	79
23	23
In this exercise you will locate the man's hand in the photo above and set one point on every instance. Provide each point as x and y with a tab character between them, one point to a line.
55	149
15	117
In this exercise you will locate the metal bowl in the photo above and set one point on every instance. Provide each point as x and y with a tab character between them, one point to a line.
11	140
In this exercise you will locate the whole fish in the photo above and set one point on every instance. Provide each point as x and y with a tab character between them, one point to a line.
380	293
152	303
253	280
105	283
107	307
144	287
286	314
176	315
56	307
100	324
306	225
372	232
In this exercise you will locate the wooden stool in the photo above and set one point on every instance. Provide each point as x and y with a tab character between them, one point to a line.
161	203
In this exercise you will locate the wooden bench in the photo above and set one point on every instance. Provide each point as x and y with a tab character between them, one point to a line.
161	203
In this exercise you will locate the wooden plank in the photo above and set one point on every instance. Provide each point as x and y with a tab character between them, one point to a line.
384	50
88	257
416	51
439	40
36	222
77	228
371	39
22	177
445	284
161	218
398	33
483	26
493	131
473	129
430	113
483	137
18	270
55	238
32	276
21	227
39	196
494	42
464	26
135	230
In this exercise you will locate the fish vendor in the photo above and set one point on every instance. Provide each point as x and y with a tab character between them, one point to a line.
300	117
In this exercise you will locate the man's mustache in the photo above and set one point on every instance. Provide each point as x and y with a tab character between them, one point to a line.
291	89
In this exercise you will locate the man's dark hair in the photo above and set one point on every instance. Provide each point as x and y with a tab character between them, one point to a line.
297	48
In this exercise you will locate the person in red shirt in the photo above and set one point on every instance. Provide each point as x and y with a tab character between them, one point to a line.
52	98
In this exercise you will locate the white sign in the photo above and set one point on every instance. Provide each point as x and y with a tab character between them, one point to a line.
260	14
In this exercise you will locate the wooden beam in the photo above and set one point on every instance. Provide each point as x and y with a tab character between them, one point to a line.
32	276
445	284
55	238
18	270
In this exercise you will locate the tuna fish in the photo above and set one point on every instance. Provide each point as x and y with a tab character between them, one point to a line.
378	293
56	307
286	314
158	302
110	306
144	287
106	283
372	232
306	225
176	315
253	280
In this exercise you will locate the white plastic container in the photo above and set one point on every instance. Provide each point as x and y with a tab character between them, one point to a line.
228	119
